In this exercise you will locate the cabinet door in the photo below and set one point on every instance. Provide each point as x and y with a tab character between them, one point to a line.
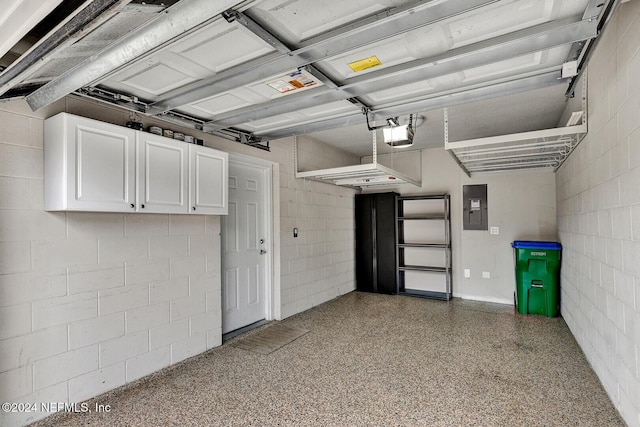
386	220
365	253
209	180
100	165
376	259
162	174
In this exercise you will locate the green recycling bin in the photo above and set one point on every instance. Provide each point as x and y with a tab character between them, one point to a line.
537	277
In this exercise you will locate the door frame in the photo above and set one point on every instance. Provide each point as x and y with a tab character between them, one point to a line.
269	170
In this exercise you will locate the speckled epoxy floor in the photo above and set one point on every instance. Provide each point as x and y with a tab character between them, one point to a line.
376	360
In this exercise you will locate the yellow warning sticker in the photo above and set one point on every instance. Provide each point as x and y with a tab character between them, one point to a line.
365	63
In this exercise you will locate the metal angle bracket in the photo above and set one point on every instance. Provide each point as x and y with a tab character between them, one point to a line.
585	117
607	7
375	147
446	142
242	137
129	102
366	110
295	155
231	15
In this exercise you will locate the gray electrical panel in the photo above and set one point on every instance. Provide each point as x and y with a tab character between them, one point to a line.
474	207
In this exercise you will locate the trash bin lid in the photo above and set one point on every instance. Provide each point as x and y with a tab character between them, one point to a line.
528	244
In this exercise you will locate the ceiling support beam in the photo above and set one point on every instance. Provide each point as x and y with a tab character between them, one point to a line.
257	29
343	40
83	21
280	46
508	86
502	48
174	22
17	18
275	42
463	95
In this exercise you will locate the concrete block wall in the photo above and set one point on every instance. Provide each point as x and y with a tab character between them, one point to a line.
91	301
598	199
314	155
319	264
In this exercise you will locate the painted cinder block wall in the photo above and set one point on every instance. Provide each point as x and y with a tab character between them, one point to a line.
598	199
319	264
91	301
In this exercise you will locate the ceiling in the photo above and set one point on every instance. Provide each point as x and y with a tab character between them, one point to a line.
254	71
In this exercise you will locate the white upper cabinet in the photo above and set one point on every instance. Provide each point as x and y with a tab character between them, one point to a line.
208	193
163	175
89	165
100	167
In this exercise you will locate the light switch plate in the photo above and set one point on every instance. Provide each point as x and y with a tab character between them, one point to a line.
494	230
486	275
467	273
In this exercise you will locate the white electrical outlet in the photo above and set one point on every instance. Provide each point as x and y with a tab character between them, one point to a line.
494	230
486	275
467	273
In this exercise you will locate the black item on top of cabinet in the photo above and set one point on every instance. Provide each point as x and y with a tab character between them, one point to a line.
428	214
376	231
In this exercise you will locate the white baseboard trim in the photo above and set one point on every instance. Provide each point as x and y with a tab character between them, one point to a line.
486	299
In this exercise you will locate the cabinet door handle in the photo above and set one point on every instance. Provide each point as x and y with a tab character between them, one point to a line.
142	206
132	206
194	208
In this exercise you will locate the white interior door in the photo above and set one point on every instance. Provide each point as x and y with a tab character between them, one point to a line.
245	247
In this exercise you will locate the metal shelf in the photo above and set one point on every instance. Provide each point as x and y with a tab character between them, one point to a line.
421	217
422	268
546	148
365	175
443	296
424	245
445	246
426	196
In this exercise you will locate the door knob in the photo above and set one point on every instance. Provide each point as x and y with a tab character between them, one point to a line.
261	241
262	252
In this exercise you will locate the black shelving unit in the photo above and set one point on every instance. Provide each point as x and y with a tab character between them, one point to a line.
419	244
